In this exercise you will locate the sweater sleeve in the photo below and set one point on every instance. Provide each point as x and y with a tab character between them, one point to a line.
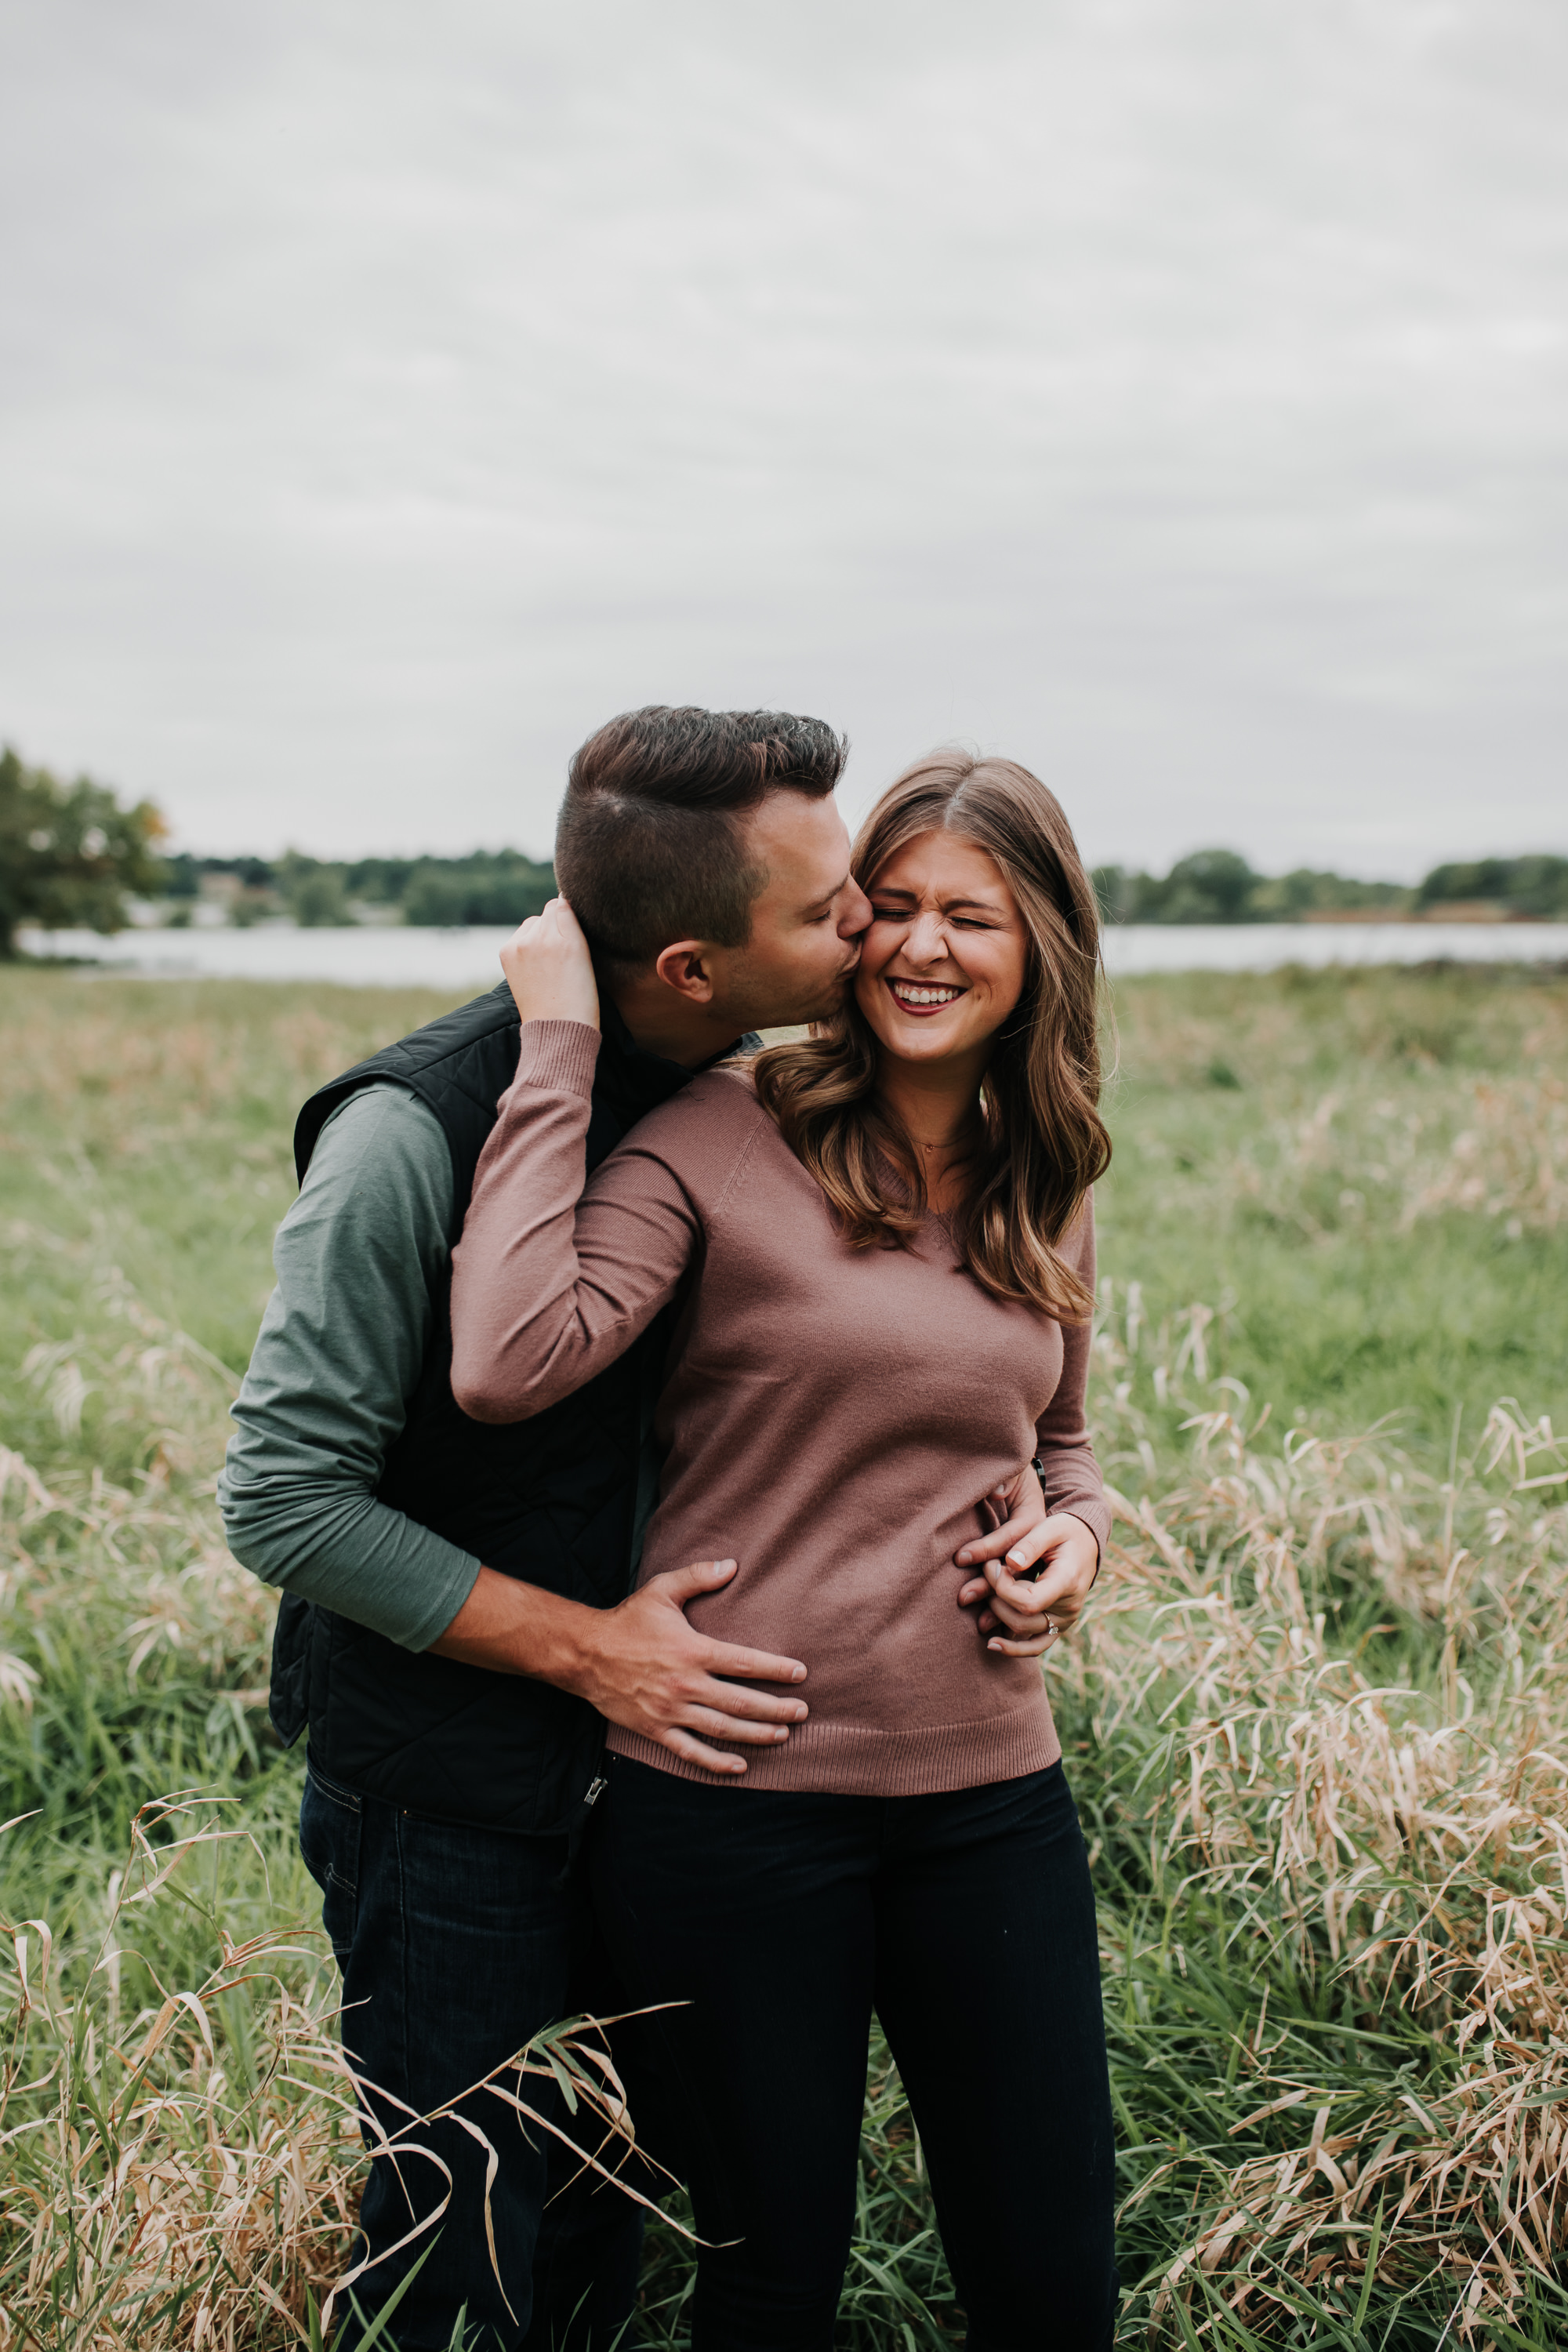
337	1358
548	1288
1072	1481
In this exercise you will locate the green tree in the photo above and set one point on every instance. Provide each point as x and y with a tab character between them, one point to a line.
498	887
313	891
1212	886
319	902
69	853
1523	886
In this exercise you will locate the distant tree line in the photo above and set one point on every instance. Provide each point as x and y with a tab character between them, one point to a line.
1215	885
72	855
1525	885
497	886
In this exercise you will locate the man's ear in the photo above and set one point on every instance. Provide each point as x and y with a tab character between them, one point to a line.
685	968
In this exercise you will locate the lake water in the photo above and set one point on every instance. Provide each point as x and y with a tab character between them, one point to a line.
383	957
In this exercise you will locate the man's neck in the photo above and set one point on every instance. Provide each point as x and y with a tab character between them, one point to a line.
664	1024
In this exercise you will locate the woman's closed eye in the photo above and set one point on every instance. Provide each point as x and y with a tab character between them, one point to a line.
906	915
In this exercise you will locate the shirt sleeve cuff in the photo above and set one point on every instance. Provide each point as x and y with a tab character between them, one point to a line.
1096	1517
558	1056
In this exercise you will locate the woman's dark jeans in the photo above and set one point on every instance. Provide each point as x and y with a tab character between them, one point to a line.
966	1920
457	1944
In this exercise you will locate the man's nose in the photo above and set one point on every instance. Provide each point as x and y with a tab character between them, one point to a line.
855	916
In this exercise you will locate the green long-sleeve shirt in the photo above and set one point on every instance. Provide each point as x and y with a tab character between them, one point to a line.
336	1360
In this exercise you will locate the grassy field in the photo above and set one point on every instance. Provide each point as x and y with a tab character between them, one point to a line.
1317	1723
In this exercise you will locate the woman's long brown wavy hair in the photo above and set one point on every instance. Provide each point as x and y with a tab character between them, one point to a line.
1043	1142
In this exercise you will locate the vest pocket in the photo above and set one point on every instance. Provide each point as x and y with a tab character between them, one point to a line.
287	1697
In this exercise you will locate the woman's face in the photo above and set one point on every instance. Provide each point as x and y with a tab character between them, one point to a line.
945	959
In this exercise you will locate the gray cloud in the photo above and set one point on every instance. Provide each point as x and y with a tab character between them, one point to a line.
1169	392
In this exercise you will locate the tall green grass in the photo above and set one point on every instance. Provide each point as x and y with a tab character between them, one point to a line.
1365	1174
1317	1722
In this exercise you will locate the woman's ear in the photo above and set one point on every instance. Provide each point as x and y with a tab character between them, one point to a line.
684	968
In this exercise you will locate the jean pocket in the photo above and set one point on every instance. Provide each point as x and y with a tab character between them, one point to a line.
331	1819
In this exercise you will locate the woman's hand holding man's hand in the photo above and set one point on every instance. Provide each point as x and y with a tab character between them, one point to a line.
1020	1609
550	970
1024	1617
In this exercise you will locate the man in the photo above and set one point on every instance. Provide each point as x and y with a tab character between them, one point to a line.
454	1628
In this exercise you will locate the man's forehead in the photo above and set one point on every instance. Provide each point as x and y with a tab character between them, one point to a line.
807	832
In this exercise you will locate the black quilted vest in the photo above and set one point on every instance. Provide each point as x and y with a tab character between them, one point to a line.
555	1500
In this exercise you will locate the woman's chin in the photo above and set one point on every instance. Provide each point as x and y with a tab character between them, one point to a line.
906	1037
921	1045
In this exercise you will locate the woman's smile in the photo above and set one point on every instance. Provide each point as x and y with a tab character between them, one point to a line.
925	997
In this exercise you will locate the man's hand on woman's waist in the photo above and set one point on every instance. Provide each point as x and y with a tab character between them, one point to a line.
640	1663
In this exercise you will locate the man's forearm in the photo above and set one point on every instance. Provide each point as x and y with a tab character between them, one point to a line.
513	1628
639	1664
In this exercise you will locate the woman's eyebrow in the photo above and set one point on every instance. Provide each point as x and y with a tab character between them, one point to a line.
986	905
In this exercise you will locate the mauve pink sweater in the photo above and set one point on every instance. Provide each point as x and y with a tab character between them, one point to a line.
833	1416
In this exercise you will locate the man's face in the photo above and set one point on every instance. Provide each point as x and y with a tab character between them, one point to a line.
805	926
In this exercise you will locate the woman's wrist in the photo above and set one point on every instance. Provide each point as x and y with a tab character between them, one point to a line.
558	1053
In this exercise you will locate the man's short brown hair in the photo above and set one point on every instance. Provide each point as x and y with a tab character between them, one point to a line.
649	847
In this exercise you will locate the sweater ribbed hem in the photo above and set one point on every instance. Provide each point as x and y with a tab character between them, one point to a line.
559	1055
852	1759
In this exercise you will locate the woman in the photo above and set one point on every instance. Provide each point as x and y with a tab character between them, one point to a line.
881	1244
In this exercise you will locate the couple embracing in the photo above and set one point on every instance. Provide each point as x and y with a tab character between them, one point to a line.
672	1455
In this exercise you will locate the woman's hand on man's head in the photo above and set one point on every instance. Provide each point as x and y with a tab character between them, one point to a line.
1027	1606
550	970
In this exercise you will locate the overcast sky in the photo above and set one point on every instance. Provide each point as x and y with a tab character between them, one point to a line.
1171	393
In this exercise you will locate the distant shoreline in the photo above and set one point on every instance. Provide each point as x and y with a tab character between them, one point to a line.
1461	913
401	956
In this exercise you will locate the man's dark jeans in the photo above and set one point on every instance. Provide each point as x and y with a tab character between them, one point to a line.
455	1945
